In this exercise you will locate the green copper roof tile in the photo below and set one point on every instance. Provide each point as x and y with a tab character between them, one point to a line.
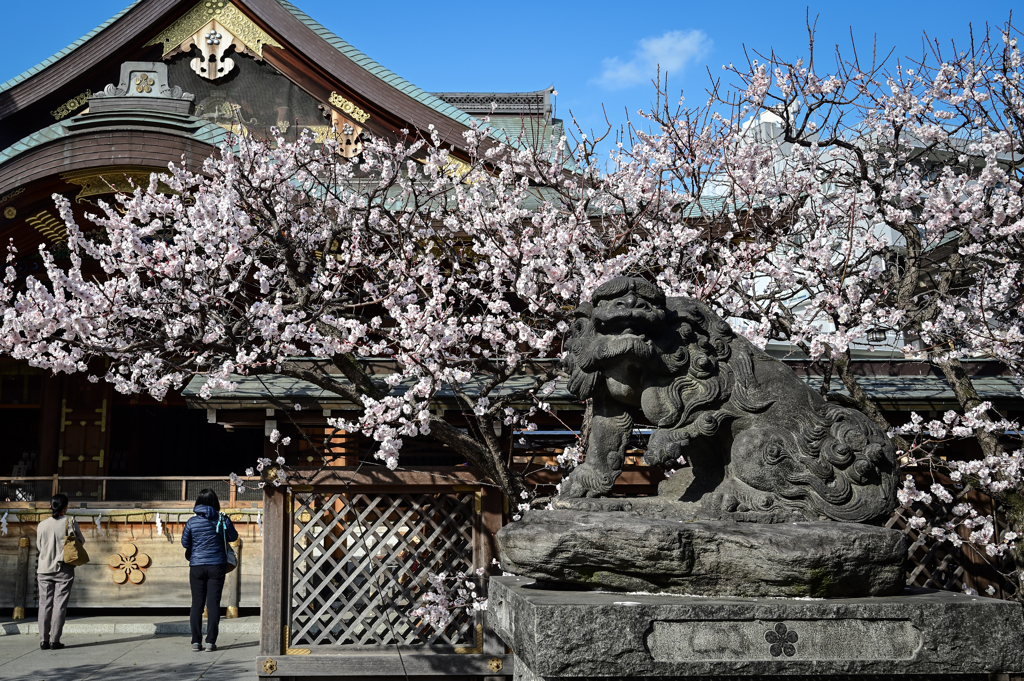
47	134
204	131
66	51
334	41
382	73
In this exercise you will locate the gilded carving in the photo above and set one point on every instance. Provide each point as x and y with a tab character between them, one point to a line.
10	195
455	167
213	41
143	83
120	180
144	79
245	30
128	565
346	131
65	110
320	132
10	212
49	226
348	108
183	31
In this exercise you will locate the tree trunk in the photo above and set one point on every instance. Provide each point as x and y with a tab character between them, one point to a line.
864	402
967	396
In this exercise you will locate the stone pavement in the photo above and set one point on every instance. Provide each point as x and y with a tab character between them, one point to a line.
129	648
129	624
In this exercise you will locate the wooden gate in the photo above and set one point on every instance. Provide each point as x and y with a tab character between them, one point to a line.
355	550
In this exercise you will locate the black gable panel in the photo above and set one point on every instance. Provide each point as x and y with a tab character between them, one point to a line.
254	94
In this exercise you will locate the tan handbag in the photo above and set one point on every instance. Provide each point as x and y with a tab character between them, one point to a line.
74	552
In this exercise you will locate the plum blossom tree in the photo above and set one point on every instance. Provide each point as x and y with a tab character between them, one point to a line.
881	207
822	208
275	253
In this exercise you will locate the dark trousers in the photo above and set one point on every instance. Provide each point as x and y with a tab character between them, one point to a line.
54	590
207	583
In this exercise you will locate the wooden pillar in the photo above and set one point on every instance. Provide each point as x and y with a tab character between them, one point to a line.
21	580
272	586
234	581
489	523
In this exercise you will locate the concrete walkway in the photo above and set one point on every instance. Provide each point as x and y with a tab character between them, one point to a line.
123	648
131	624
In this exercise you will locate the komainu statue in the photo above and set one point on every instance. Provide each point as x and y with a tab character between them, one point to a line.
756	436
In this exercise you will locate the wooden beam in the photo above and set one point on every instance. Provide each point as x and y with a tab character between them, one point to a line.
367	665
102	149
272	584
434	476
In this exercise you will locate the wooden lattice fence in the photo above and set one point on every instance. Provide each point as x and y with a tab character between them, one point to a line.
940	565
353	553
358	563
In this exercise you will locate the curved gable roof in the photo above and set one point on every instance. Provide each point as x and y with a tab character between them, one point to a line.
139	17
385	75
66	51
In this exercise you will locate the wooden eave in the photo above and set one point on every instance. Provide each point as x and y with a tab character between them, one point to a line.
307	59
100	149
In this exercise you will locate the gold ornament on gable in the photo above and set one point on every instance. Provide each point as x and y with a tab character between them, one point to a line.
65	109
348	108
143	83
214	26
343	129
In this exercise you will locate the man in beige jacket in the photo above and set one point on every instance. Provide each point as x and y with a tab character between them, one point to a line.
55	576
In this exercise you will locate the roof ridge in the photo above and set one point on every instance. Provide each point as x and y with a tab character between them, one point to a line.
66	51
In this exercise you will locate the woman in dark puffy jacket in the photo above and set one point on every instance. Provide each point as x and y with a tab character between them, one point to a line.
204	539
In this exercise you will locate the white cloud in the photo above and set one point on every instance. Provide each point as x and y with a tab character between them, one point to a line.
673	51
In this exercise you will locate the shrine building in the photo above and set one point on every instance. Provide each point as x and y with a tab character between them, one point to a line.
168	81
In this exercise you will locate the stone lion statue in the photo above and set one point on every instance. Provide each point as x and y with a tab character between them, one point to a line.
756	436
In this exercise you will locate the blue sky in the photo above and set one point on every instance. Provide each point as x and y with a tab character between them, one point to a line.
596	52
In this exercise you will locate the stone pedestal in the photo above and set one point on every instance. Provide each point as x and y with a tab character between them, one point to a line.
599	635
665	549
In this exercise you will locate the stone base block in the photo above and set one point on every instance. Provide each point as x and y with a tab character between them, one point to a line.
691	554
559	634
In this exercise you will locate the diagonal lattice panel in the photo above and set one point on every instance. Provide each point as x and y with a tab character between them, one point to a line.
360	563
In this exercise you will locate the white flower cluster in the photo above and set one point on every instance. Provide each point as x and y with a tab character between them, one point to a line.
446	595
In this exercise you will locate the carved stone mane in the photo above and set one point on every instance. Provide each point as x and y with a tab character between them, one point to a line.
756	436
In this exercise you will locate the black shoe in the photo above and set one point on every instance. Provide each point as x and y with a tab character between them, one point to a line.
44	645
210	647
56	646
197	647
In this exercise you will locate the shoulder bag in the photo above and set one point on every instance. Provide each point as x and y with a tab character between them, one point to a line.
232	562
74	552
